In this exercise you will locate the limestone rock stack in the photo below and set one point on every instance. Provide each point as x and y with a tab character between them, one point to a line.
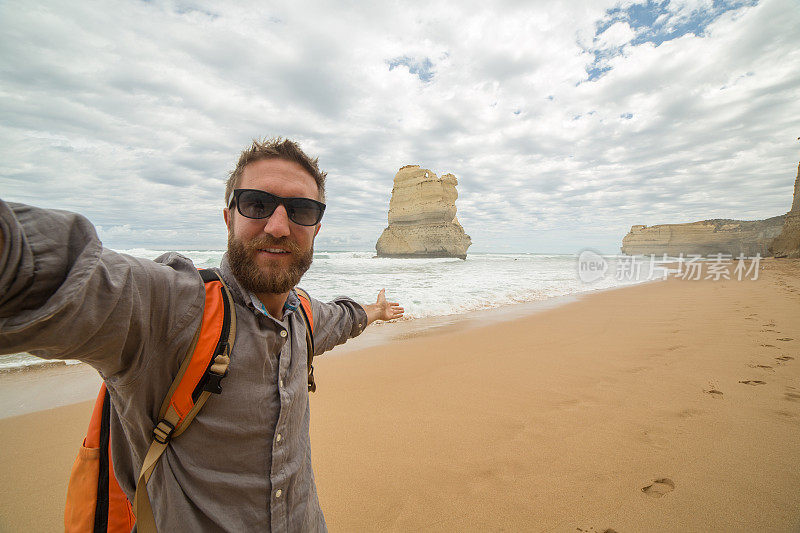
422	217
787	244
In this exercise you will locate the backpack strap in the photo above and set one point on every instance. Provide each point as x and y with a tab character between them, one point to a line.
199	376
101	511
308	317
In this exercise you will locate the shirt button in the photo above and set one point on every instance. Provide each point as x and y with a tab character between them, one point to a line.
278	493
280	382
278	437
283	333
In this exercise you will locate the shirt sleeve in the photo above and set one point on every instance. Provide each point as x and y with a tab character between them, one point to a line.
64	296
335	322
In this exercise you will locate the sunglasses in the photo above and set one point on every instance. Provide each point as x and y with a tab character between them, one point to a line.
253	203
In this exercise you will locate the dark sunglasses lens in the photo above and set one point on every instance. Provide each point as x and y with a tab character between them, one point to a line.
304	212
256	204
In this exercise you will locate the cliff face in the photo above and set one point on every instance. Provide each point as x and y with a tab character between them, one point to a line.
787	244
706	237
422	217
778	236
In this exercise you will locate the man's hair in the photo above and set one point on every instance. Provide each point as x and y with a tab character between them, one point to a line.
276	148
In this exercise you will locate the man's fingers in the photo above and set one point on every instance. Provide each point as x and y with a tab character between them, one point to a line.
390	309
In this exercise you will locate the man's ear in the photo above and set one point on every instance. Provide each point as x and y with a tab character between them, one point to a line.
226	214
317	229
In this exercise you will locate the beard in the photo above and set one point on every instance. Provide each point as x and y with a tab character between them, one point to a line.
274	279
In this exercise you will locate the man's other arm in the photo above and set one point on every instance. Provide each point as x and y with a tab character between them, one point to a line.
343	318
63	296
382	309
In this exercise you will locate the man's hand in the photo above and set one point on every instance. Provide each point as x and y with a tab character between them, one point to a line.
382	310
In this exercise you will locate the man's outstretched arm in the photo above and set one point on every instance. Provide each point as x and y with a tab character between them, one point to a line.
382	309
343	318
64	296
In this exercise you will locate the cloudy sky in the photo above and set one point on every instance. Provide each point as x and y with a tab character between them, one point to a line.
565	122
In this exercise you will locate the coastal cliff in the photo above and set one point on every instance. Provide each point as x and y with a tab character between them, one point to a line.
787	244
422	217
778	236
706	237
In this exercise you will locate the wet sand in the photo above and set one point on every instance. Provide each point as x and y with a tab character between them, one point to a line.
669	406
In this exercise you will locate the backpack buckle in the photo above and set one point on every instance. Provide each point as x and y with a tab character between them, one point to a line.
311	385
212	382
162	431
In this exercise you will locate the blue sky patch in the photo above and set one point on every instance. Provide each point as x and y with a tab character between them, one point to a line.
655	22
188	10
423	69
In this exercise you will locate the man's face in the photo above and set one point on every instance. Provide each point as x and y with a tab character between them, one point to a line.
270	255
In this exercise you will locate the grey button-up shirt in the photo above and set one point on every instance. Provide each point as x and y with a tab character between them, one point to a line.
244	464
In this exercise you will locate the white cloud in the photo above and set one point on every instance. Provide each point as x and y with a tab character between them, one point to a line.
616	35
683	10
134	113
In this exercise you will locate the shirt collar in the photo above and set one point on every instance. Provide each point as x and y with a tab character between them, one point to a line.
289	306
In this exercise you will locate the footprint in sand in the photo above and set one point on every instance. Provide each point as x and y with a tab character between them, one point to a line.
784	358
765	367
768	346
792	395
713	389
785	339
769	330
753	382
659	487
770	325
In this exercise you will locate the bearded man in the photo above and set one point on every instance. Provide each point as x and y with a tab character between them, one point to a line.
245	462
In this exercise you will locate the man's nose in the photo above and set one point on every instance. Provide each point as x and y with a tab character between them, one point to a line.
278	223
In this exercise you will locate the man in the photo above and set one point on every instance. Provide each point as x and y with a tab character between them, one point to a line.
245	462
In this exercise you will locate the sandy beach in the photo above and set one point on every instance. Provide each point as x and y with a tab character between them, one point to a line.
668	406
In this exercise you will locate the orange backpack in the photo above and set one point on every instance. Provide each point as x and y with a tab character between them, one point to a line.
95	501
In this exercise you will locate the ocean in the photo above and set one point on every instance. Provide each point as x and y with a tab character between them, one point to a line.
431	287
